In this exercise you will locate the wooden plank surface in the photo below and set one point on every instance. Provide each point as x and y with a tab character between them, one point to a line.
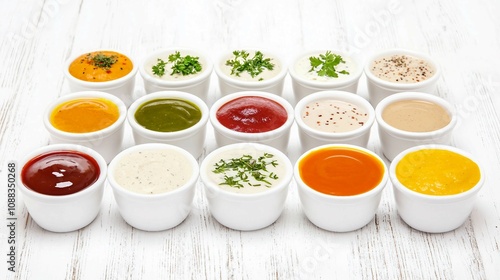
464	36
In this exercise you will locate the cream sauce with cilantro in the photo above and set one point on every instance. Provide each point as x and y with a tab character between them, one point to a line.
303	65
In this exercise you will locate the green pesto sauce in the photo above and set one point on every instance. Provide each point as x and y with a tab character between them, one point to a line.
168	115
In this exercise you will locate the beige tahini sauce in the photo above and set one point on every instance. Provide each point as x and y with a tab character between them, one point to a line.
245	76
279	170
333	115
403	69
153	171
416	115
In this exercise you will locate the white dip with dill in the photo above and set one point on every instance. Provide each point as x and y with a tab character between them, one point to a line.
266	74
168	76
153	171
273	175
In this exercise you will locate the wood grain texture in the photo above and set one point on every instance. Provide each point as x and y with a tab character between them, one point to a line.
36	37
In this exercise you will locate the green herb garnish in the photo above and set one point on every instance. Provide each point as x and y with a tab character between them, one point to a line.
327	61
254	66
183	65
247	167
101	60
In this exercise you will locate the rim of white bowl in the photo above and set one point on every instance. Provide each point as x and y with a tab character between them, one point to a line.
285	182
100	85
103	169
250	85
436	198
159	135
353	77
334	95
99	134
204	74
415	96
348	198
147	147
245	136
398	86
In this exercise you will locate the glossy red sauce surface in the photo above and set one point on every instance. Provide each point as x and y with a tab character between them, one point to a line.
60	172
252	114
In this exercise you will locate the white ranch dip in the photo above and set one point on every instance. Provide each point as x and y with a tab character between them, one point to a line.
403	69
153	171
334	116
303	65
256	186
168	67
245	76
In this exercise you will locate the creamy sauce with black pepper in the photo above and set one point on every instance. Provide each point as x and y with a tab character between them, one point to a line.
403	69
333	116
153	171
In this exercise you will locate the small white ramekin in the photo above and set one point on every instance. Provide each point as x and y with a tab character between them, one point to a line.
107	141
310	137
246	211
154	212
122	88
197	85
277	138
378	88
393	140
229	84
191	139
302	86
431	213
65	213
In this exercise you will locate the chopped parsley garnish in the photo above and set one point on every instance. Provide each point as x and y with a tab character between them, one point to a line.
246	167
101	60
254	66
183	65
325	64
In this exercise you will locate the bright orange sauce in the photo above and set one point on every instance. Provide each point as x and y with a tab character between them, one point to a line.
341	171
84	68
84	115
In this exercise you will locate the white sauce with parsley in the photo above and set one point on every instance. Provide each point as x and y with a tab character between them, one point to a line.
303	65
168	67
218	178
402	69
153	171
245	76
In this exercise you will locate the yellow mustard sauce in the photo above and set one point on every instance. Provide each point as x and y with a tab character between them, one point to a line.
437	172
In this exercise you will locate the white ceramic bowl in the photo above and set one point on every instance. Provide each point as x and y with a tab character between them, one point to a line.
246	211
191	139
107	141
311	137
154	212
229	84
393	140
432	213
339	213
70	212
303	85
277	138
122	88
195	84
378	88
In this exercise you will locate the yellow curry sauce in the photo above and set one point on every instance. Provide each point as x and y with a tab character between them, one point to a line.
84	115
437	172
100	66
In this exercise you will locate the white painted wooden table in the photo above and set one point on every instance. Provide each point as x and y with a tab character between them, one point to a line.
464	36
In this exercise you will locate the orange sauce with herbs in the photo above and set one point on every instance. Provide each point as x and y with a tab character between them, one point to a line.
100	66
341	171
84	115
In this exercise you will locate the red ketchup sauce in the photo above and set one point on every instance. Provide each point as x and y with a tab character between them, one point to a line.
60	172
252	114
